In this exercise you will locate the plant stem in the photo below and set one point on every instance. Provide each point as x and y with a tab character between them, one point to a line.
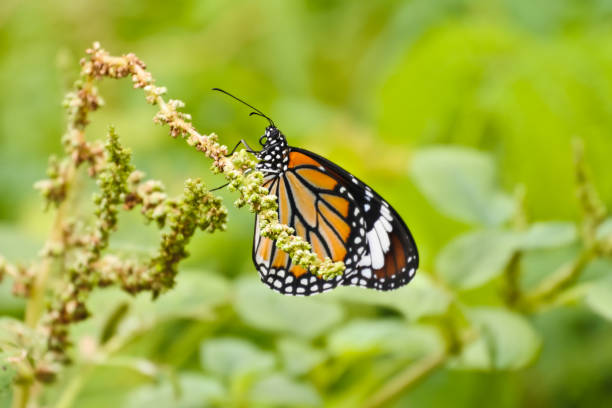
21	395
35	306
36	303
71	391
561	279
406	379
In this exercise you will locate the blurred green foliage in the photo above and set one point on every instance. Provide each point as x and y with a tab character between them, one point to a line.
444	107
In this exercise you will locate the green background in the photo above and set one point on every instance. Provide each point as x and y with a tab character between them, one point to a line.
374	86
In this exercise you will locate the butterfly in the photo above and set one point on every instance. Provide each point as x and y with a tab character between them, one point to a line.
339	215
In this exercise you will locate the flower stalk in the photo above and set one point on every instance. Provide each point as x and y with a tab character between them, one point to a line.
76	260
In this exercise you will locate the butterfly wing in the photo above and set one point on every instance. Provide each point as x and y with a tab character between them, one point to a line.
309	200
343	219
391	257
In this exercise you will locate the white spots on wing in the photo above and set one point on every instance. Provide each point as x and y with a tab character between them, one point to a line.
366	273
365	261
386	224
278	284
376	250
384	210
366	207
382	236
300	290
378	242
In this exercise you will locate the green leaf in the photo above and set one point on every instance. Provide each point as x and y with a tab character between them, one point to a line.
599	298
543	235
473	356
194	391
364	336
299	357
194	294
605	230
7	374
475	258
461	183
422	297
280	390
265	309
507	341
232	357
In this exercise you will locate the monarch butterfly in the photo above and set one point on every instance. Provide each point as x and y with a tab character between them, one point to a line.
339	215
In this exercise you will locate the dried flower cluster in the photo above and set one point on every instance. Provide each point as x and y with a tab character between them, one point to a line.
237	169
75	260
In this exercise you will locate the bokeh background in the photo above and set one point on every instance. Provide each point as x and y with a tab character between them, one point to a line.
373	86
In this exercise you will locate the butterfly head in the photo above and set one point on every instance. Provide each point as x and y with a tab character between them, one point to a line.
272	137
274	152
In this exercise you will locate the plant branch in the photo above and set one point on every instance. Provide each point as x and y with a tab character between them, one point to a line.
593	214
73	252
238	169
406	379
551	287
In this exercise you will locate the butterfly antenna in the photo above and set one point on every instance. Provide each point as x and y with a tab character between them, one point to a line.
257	111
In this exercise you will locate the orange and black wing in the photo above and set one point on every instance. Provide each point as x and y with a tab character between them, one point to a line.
342	219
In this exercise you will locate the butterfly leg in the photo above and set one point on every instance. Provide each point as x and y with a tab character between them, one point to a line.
245	144
220	187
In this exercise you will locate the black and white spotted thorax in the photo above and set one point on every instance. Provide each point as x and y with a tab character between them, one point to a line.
274	157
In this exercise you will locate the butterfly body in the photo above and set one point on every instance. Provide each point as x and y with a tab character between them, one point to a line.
339	215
